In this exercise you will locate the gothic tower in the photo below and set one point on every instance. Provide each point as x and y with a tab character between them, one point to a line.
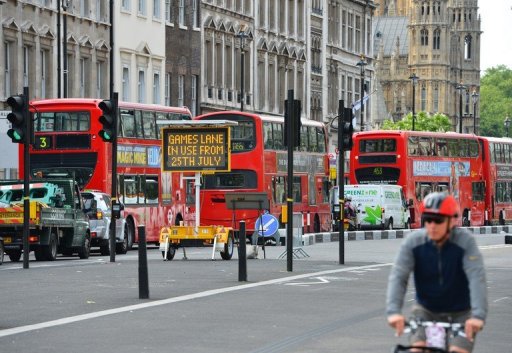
443	42
444	52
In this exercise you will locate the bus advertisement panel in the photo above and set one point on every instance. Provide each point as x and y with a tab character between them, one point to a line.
67	144
259	164
423	162
497	160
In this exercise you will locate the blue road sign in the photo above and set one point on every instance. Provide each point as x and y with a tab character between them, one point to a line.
270	225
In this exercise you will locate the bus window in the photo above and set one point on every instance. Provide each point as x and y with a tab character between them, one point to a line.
388	145
159	116
63	121
313	142
321	140
148	122
441	187
311	189
277	132
243	136
453	147
491	152
478	191
463	148
297	190
473	148
279	189
304	138
150	189
413	145
127	123
422	190
130	191
426	146
267	136
442	147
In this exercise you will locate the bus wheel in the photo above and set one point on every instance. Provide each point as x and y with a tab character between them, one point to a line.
465	219
130	234
316	224
228	248
171	251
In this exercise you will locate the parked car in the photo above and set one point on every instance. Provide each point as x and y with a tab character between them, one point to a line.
98	207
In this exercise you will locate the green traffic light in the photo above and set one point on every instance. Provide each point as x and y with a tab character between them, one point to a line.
15	135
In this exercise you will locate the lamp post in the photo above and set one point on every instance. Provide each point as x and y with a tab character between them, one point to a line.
65	5
507	125
242	35
474	95
460	87
414	80
362	63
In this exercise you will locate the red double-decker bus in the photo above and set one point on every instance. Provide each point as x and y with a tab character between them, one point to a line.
497	162
259	164
423	162
67	144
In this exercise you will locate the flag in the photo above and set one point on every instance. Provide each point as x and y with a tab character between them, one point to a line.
357	105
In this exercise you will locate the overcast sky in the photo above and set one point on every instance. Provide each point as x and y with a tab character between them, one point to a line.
496	41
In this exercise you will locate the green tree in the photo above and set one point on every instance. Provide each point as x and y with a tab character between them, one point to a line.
495	100
424	122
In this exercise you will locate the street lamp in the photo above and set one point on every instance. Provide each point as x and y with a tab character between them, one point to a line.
507	125
362	63
414	80
65	5
460	87
242	35
474	95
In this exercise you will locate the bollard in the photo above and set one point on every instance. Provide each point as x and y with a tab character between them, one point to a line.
143	264
242	254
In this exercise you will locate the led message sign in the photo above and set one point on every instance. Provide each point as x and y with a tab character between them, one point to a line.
196	149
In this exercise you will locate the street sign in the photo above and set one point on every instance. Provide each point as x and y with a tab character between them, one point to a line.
196	149
270	225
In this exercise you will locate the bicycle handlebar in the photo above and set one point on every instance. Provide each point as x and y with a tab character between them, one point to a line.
456	328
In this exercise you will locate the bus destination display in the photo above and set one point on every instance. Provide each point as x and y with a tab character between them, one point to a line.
196	149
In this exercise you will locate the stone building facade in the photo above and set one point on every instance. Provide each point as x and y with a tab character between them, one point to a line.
439	42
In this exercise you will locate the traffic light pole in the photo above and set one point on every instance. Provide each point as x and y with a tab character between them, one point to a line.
341	182
290	140
115	203
26	180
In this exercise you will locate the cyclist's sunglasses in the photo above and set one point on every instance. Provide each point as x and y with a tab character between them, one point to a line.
433	218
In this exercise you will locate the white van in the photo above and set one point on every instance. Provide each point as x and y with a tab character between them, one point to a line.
378	206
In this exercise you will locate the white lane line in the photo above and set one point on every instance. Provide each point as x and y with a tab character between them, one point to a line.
498	300
208	293
497	246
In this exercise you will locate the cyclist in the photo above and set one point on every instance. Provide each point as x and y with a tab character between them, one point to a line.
449	275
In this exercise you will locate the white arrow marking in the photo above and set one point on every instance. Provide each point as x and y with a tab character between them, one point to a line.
321	280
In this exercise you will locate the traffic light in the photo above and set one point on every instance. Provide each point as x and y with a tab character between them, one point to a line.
108	120
297	124
347	129
18	131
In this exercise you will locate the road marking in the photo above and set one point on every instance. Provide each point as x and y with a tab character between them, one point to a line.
498	300
497	246
321	280
208	293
